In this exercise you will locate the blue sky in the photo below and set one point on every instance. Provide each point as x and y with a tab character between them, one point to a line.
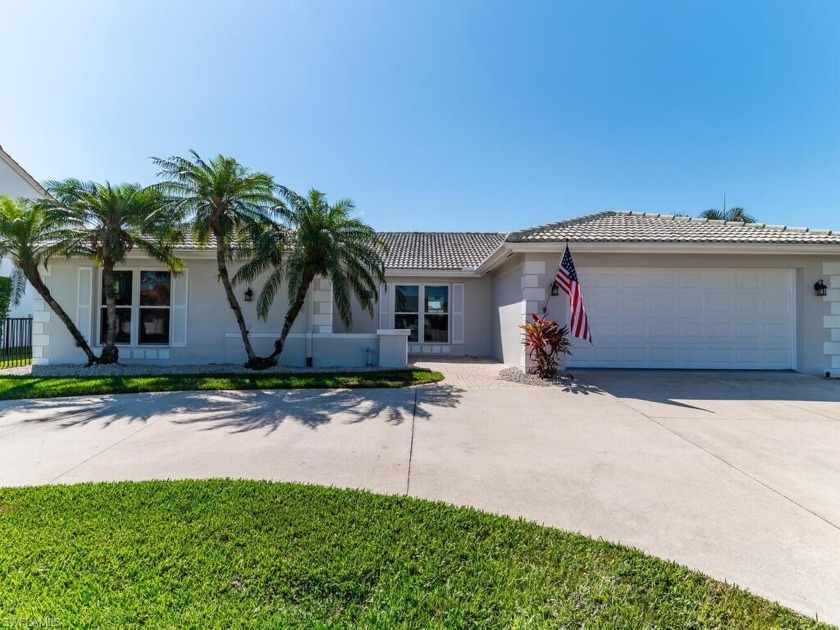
444	115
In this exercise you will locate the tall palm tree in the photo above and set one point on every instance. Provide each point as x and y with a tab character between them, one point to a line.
104	223
29	237
223	201
319	240
733	214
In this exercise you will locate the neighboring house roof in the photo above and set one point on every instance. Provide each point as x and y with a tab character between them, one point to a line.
639	227
439	250
24	175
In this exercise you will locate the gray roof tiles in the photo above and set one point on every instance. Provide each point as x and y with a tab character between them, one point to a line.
467	250
439	250
622	226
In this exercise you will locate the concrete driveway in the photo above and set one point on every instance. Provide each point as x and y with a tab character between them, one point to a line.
735	474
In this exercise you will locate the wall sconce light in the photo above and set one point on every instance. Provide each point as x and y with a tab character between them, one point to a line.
555	290
820	287
249	294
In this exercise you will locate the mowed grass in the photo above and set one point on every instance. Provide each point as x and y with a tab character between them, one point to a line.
246	554
14	387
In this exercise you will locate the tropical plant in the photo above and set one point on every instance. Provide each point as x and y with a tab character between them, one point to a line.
29	237
224	202
733	214
545	341
318	240
6	290
104	223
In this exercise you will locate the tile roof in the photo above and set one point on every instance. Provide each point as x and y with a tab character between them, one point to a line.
639	227
420	250
439	250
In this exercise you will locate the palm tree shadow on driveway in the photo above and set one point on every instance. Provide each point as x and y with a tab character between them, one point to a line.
244	411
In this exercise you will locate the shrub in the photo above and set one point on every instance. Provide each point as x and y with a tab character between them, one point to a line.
545	340
5	296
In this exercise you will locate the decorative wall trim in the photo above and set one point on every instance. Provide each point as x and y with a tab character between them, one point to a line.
831	322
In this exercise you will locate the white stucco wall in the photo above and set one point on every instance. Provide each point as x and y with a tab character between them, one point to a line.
477	316
508	312
212	335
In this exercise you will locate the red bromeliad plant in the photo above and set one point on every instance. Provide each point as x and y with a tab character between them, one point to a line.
546	340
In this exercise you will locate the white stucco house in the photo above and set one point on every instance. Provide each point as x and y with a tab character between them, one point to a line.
660	291
15	182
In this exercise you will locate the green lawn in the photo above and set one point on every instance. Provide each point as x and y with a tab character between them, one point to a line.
13	387
222	554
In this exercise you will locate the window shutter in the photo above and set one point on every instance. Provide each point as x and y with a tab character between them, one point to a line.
84	301
178	308
386	306
457	313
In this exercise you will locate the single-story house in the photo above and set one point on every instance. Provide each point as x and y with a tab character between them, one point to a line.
660	291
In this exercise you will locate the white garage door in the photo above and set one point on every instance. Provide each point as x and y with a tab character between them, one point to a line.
688	318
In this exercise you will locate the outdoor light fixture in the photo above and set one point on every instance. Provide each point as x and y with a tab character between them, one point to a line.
249	294
555	290
820	287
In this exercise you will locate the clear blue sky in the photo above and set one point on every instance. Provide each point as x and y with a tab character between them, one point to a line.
444	115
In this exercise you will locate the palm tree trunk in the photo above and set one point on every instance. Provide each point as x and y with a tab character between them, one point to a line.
38	284
291	316
110	353
221	263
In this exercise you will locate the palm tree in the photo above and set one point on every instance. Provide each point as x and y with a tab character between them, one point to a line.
320	240
222	200
733	214
104	223
29	237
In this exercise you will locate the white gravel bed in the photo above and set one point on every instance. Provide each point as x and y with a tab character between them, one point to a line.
129	369
516	375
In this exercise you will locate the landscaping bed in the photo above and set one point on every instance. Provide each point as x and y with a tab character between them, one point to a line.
99	381
220	553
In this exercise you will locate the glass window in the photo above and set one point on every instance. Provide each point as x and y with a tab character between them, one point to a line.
154	325
407	299
407	309
436	328
424	310
123	284
437	299
123	325
151	308
155	288
122	288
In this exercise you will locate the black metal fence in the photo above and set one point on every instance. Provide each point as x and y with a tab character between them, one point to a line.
15	341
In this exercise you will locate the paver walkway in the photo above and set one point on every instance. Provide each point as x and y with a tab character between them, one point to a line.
478	372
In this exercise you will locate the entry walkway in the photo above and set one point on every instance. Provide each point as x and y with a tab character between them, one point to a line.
471	372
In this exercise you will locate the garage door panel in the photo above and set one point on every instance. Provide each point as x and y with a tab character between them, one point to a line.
690	280
747	331
691	329
691	306
716	305
749	306
719	281
750	280
633	330
688	318
662	305
776	331
660	330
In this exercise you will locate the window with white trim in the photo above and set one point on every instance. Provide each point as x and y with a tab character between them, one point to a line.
143	301
424	310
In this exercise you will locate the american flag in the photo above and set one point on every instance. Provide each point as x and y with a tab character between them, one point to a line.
567	280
